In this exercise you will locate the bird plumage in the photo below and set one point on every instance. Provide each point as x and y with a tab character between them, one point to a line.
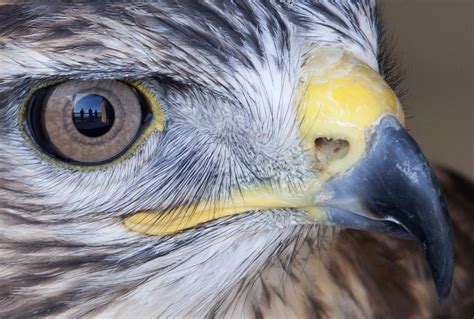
216	66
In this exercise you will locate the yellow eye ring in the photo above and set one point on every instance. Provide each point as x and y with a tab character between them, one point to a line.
149	95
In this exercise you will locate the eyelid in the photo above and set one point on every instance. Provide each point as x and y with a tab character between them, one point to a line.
154	97
149	91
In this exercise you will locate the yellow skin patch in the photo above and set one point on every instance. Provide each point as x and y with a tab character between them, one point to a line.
340	98
156	223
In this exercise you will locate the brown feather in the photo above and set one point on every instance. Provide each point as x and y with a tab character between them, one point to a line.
369	275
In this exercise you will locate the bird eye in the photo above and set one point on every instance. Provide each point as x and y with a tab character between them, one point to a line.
86	122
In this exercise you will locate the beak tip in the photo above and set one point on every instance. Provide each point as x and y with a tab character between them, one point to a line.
397	188
443	275
443	287
441	262
443	284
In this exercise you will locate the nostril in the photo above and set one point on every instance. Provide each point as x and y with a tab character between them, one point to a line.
329	149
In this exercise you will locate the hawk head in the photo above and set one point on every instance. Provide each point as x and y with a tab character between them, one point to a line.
157	158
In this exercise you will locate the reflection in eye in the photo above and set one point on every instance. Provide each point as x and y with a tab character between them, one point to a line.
86	122
93	115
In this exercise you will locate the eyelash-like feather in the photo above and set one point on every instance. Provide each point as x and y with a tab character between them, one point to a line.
389	62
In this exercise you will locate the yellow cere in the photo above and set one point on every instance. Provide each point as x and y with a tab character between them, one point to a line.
339	97
342	98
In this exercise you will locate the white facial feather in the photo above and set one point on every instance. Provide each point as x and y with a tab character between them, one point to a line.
233	123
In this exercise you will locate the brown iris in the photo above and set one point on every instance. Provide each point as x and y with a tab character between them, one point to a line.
87	121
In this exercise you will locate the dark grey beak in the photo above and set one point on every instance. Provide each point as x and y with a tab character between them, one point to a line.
393	190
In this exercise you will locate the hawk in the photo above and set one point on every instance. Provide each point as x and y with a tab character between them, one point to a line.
217	159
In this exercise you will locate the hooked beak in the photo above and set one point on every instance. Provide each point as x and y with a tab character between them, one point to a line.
368	173
393	190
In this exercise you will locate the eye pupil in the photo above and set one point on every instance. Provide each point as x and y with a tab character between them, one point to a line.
93	115
87	122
